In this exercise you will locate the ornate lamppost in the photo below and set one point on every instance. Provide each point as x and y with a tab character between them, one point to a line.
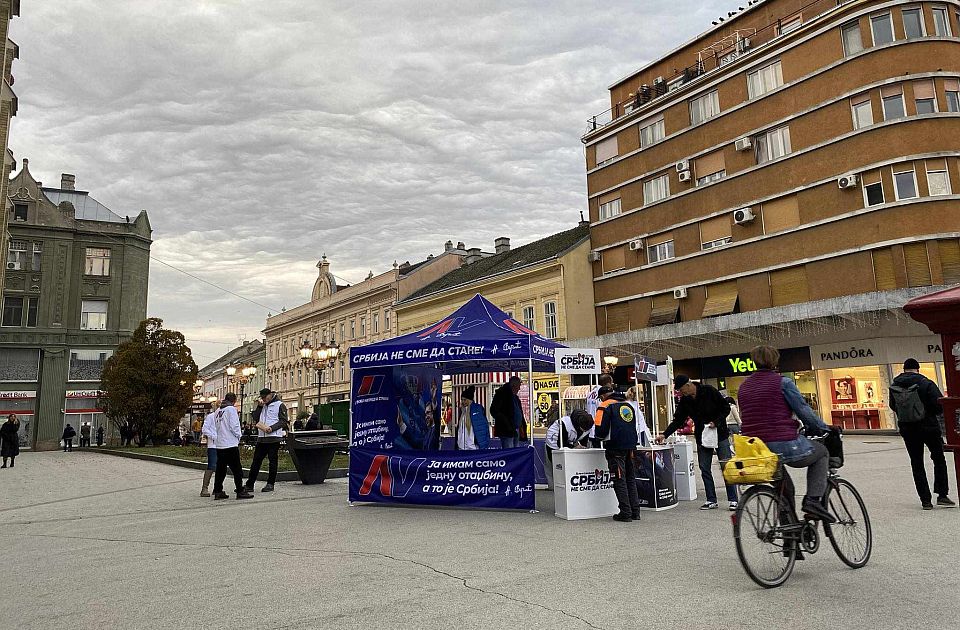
610	363
241	374
318	359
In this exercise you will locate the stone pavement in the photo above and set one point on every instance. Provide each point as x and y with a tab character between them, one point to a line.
93	541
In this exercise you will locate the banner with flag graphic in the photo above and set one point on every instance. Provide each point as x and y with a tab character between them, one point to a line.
397	408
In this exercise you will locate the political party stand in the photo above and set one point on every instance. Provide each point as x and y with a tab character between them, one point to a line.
582	484
396	387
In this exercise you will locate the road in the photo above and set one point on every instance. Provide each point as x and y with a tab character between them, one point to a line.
99	542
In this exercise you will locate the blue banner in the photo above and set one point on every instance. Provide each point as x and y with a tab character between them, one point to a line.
501	479
397	407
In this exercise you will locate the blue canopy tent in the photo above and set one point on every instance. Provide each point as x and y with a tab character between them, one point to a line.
394	412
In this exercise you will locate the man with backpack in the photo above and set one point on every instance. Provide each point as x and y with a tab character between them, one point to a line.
916	401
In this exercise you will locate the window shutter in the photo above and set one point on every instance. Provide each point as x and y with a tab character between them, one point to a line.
659	238
780	214
860	98
613	259
923	89
951	85
950	260
870	177
715	228
607	149
883	269
721	299
618	317
789	286
609	197
665	310
709	164
891	90
918	266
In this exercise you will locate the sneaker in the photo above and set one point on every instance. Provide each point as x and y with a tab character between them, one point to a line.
927	506
204	493
945	501
710	505
622	518
635	516
243	493
816	509
220	495
733	506
267	488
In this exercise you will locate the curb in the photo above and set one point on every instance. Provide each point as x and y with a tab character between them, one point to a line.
283	475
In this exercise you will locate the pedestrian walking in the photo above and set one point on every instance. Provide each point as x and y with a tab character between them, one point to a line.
618	431
85	434
507	413
99	436
68	434
271	424
707	408
10	440
916	401
208	437
227	427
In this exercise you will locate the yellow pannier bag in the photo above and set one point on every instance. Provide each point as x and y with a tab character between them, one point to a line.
752	462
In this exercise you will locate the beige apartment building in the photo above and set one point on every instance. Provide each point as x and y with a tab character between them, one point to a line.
8	109
345	315
786	177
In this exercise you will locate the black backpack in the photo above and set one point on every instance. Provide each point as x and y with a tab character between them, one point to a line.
910	409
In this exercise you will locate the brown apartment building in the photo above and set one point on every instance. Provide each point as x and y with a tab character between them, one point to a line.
786	177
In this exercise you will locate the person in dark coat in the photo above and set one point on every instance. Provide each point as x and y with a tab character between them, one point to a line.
313	422
507	413
10	440
99	436
68	434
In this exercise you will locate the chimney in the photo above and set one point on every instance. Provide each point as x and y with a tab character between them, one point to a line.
68	181
448	246
473	255
502	244
461	246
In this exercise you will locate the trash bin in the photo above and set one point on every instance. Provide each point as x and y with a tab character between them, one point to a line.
312	453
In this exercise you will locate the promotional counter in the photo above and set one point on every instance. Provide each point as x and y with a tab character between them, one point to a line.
582	484
684	465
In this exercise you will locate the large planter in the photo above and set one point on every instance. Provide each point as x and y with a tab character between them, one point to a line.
312	452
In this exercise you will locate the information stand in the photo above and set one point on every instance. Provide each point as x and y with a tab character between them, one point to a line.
582	484
655	478
683	464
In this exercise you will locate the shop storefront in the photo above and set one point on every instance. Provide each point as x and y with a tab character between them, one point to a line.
81	408
24	404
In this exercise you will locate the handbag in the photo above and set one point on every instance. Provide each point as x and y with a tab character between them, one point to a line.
753	462
709	438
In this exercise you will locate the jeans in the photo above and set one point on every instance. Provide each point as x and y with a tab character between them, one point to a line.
623	472
508	442
915	438
84	441
270	450
211	459
705	455
228	457
67	445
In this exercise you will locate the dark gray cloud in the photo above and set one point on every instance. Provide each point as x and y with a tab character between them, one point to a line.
259	135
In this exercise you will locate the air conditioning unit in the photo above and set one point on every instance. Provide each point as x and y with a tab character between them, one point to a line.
636	244
683	165
743	215
743	144
685	176
744	44
847	181
593	257
658	80
13	266
679	294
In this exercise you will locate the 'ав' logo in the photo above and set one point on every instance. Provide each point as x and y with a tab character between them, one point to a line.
370	385
448	328
396	477
519	328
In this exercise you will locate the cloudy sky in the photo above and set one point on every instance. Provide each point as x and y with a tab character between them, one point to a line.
259	135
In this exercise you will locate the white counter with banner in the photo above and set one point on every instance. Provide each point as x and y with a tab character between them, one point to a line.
582	485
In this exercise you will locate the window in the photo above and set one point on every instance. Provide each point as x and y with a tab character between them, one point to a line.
651	133
715	232
893	106
938	181
862	110
764	80
363	326
953	99
98	262
705	107
912	23
790	24
905	184
16	255
610	209
386	320
87	365
709	168
852	42
873	193
656	189
19	212
12	310
342	373
720	242
941	23
528	316
706	179
924	96
376	323
343	334
19	364
882	28
33	308
550	320
659	252
606	150
773	144
93	315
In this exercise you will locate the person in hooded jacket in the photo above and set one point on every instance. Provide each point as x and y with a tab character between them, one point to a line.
925	432
227	427
618	431
68	434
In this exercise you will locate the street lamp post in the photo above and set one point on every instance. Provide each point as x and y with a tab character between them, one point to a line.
318	359
610	363
241	374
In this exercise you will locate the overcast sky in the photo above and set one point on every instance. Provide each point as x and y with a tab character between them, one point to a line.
259	135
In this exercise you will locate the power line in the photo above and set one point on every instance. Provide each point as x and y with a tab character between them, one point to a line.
216	286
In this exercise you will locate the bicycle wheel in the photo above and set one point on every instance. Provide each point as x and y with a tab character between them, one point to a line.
852	535
767	553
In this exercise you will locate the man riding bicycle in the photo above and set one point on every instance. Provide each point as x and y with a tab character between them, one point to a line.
770	405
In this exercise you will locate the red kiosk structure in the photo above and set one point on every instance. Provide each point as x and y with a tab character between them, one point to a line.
940	312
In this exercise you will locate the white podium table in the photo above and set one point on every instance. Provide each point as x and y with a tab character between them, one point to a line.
582	484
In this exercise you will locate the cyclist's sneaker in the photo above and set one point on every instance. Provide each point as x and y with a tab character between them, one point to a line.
945	501
710	505
733	506
816	509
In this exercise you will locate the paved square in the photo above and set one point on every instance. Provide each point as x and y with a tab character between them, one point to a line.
100	542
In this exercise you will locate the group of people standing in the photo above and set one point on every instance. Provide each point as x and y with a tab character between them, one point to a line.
221	431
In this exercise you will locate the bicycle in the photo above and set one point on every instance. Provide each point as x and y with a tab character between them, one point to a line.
770	538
